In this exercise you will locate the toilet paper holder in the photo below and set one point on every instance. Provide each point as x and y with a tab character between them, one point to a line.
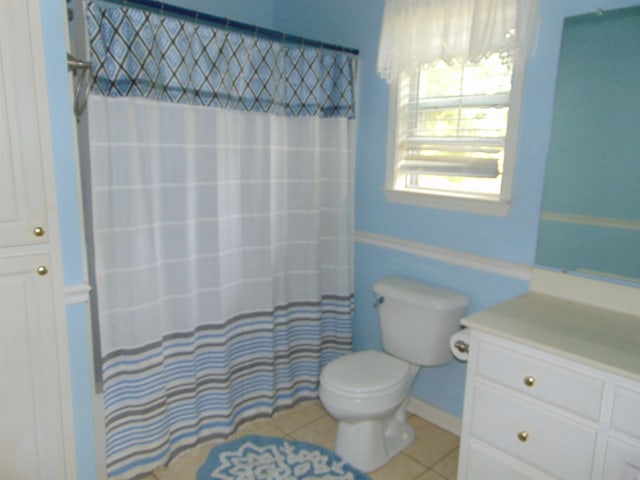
461	346
379	301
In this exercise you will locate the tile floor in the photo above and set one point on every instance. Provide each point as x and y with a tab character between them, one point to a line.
433	455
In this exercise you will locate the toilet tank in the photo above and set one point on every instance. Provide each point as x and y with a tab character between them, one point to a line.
416	319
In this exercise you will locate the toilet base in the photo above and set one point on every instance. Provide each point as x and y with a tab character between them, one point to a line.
369	444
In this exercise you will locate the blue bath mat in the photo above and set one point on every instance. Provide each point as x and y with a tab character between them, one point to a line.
269	458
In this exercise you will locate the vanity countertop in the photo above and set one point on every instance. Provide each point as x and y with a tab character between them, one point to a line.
595	336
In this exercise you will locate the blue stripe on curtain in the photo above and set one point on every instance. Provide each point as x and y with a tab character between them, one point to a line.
202	385
139	53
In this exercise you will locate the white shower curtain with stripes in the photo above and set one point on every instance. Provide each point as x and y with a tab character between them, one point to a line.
221	188
224	265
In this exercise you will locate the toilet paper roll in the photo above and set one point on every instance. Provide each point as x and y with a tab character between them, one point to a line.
459	344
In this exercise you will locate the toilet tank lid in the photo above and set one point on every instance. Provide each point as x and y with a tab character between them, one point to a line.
421	294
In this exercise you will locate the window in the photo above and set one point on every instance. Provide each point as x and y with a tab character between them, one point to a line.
452	140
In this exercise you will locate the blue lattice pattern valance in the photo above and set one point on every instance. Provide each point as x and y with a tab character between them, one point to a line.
144	54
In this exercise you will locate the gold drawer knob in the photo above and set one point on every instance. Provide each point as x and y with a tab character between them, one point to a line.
38	231
42	270
523	436
529	381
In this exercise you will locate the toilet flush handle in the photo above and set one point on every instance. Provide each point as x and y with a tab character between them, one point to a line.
378	301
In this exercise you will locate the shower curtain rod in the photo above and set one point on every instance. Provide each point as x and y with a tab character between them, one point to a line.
165	8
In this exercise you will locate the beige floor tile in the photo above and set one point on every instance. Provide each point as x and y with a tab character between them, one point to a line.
185	466
430	475
263	426
165	473
319	432
401	467
448	467
302	414
431	443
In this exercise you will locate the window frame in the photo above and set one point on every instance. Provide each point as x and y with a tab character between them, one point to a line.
470	203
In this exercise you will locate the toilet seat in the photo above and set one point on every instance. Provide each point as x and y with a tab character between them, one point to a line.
368	373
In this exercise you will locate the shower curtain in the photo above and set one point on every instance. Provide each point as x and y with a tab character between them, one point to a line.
222	182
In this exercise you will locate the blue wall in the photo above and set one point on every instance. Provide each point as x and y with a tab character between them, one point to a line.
253	12
69	215
354	23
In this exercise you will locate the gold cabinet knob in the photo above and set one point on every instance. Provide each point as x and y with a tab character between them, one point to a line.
38	231
529	381
523	436
42	270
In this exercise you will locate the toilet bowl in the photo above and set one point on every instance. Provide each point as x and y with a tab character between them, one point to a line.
367	391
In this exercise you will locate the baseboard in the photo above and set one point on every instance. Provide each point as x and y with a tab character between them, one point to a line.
434	415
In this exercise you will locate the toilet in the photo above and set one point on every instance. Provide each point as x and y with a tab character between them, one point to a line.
367	391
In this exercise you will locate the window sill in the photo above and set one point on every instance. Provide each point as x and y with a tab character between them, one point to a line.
476	205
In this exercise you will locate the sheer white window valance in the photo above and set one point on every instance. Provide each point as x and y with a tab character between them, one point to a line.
417	32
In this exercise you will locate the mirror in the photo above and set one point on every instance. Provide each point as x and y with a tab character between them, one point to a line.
590	220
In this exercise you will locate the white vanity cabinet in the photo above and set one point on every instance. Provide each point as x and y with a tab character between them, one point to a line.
552	392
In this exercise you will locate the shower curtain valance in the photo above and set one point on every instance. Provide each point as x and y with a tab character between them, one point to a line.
143	54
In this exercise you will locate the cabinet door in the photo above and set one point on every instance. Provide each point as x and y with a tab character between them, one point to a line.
31	429
552	442
486	463
22	196
36	431
622	460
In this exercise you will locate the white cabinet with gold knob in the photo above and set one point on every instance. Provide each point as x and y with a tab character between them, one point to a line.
552	392
36	429
28	428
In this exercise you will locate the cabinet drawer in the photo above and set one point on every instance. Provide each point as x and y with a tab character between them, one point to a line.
555	444
555	384
626	411
622	461
486	464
